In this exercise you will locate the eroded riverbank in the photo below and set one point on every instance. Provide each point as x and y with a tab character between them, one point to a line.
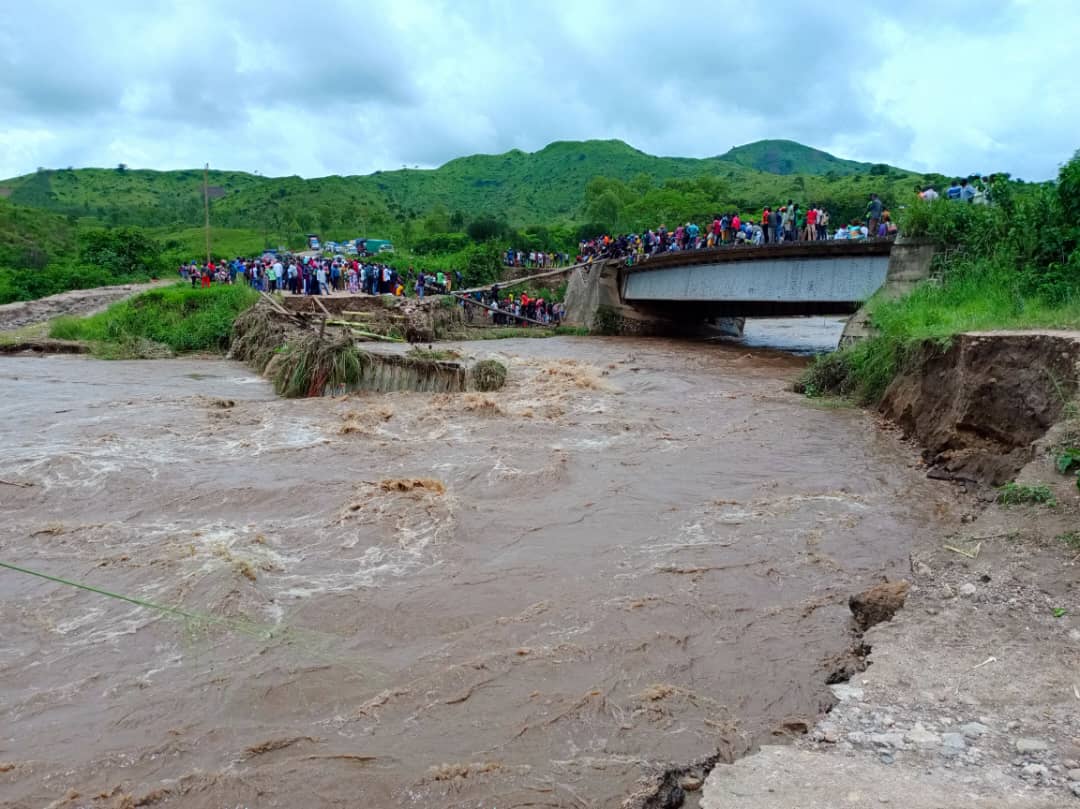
639	552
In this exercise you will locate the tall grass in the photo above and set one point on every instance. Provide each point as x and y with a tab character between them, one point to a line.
309	366
182	318
1011	265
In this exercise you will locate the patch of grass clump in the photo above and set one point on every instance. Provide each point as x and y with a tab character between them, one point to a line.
310	367
433	354
488	375
508	332
1015	494
182	318
1070	538
133	348
1068	460
257	337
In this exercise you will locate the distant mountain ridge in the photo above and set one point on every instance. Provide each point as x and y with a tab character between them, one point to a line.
789	157
521	187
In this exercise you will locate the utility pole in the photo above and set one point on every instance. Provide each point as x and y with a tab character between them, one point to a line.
206	207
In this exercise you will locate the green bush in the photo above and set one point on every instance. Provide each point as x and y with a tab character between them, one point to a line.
1014	494
310	366
1012	264
488	375
440	243
180	317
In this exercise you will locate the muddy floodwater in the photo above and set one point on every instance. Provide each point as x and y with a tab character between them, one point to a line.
638	553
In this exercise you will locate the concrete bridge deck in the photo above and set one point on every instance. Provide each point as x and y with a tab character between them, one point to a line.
790	278
700	291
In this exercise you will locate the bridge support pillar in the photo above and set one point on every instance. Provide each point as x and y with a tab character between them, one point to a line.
909	264
594	300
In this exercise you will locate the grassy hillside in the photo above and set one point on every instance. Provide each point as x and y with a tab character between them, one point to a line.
789	157
540	200
520	188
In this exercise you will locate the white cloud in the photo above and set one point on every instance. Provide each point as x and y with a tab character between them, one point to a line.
331	87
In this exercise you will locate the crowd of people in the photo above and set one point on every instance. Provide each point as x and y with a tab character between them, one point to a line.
507	309
783	223
309	275
976	191
534	259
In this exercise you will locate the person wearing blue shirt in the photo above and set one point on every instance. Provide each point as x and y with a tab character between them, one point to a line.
954	190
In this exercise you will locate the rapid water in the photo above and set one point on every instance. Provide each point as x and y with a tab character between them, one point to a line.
639	552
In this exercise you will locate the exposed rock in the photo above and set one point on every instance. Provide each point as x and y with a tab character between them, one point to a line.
846	692
921	737
1035	770
1024	746
1073	775
691	782
953	740
967	589
887	739
879	603
973	730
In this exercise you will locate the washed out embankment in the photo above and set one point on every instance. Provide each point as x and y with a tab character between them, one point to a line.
979	404
970	695
303	359
594	589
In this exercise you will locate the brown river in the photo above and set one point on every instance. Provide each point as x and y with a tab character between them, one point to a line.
638	553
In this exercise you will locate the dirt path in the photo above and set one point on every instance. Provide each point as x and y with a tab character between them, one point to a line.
76	302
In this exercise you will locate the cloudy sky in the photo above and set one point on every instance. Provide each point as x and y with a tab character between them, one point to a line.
323	87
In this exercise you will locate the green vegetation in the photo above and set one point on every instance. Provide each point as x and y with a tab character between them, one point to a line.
1015	494
488	375
1014	264
433	354
1072	539
309	366
456	217
789	157
179	317
1068	460
42	254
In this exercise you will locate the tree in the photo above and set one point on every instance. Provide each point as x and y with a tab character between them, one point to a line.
604	208
121	252
1068	190
485	229
121	168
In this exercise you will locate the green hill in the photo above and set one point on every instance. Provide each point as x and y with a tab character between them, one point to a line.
521	188
789	157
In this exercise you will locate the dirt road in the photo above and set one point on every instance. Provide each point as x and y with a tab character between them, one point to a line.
76	302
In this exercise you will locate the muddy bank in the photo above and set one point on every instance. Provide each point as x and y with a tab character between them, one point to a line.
978	405
79	302
972	695
637	554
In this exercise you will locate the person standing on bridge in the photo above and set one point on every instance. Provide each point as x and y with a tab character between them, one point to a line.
873	213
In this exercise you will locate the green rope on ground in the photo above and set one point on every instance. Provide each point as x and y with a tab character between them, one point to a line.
175	612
